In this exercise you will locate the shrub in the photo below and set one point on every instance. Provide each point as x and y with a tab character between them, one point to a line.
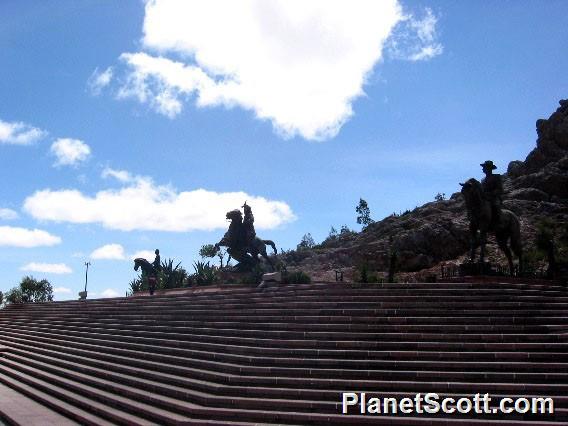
254	277
307	242
297	277
204	273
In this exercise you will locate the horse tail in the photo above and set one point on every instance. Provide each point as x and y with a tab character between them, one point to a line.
271	244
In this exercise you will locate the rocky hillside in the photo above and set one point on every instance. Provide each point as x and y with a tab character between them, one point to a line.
437	232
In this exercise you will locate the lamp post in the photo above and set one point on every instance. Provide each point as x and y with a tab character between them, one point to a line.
87	264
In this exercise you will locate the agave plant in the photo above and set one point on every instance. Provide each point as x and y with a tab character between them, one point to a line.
170	276
204	273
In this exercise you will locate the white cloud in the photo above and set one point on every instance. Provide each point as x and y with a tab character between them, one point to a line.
144	254
298	64
109	292
120	175
62	290
18	133
109	252
22	237
416	39
99	80
143	205
47	268
8	214
70	152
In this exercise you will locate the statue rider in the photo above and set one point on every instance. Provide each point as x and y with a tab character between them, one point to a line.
248	225
493	190
157	263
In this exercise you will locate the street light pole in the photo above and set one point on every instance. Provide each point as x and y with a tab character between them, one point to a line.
87	264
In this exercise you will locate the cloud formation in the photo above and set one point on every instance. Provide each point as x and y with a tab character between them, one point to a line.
18	133
70	152
300	65
62	290
142	205
109	252
109	292
144	254
47	268
99	80
415	39
26	238
8	214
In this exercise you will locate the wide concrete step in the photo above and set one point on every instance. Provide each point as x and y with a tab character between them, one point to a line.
276	356
338	302
275	347
223	364
310	399
133	399
284	355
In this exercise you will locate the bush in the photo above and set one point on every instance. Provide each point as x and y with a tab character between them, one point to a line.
254	277
204	273
297	277
365	276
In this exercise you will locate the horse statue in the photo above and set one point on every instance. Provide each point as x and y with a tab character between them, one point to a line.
148	270
506	229
243	251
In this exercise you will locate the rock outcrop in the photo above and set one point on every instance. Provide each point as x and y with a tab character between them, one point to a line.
437	232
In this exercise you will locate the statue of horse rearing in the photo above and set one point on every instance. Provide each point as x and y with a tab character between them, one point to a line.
244	252
480	215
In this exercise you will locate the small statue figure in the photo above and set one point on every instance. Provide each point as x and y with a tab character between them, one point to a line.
492	186
248	225
157	262
241	241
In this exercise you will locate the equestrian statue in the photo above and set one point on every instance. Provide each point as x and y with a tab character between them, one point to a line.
149	270
483	201
241	241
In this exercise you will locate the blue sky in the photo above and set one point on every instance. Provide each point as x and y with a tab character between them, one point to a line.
129	126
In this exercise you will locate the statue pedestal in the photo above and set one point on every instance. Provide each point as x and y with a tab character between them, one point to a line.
270	279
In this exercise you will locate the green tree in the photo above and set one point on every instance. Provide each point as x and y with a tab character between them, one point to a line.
14	296
207	250
332	233
210	251
440	196
30	290
36	291
364	213
307	242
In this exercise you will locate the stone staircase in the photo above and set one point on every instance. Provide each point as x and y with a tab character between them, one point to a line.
240	356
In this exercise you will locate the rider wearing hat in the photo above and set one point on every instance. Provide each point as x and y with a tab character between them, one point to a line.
248	225
493	189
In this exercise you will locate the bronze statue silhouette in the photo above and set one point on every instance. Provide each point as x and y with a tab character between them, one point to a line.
492	185
505	226
148	271
242	243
